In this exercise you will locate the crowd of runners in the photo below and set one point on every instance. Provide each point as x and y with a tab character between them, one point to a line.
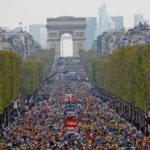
41	127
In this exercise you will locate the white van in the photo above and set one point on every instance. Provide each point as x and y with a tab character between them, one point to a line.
71	130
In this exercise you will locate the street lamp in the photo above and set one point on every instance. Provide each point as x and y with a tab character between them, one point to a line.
124	107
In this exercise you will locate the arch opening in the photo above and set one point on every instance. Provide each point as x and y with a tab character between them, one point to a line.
66	45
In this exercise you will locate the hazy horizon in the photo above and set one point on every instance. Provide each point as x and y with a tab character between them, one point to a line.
37	11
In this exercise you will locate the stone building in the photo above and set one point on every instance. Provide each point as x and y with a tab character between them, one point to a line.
94	46
4	44
137	35
37	45
108	42
20	42
114	39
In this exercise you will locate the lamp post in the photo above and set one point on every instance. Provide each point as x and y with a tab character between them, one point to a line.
114	102
118	104
1	120
121	105
146	119
131	111
124	108
7	117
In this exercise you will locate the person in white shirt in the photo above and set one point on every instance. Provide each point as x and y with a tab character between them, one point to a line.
133	148
66	142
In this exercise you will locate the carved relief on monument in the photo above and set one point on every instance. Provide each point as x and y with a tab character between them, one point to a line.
79	34
53	34
80	45
53	45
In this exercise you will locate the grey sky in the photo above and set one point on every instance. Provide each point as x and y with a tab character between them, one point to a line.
37	11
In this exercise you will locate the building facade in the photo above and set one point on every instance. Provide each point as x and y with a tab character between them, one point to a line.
99	44
137	35
91	23
108	42
114	39
94	45
4	44
20	42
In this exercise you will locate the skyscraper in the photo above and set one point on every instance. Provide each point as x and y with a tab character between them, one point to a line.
137	19
34	30
90	31
118	20
146	21
105	22
43	37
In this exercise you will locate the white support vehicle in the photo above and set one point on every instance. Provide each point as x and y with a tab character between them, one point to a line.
68	97
71	130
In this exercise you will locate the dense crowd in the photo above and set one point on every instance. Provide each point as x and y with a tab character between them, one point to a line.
41	127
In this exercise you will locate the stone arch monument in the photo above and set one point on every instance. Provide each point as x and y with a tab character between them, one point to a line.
76	27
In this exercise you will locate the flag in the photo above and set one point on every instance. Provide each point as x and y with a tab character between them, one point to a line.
20	23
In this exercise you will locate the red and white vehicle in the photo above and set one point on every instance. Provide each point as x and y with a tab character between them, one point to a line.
71	125
68	98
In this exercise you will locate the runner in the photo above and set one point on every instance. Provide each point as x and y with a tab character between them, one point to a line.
42	126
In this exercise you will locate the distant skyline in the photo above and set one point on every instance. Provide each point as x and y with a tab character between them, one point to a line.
31	12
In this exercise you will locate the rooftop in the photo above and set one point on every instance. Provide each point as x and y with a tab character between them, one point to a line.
65	18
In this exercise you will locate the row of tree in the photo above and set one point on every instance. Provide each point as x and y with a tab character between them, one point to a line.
88	59
46	57
125	74
22	77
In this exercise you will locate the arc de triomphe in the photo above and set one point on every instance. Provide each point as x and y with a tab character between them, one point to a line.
56	27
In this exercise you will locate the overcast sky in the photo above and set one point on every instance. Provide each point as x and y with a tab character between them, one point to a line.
37	11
